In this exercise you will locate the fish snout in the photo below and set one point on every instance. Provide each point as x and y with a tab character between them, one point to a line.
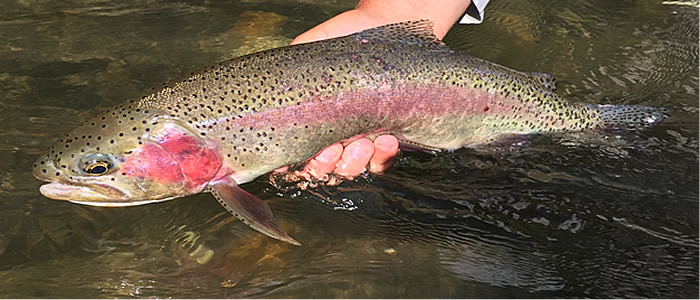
44	169
63	187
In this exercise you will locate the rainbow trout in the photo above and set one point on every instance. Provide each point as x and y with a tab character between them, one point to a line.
232	122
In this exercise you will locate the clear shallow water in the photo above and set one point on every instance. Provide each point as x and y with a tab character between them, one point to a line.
608	215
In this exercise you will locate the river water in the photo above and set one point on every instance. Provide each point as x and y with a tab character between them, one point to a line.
580	215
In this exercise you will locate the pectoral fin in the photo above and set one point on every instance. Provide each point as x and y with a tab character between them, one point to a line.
249	209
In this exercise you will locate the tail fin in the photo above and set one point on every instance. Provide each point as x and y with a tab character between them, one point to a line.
629	116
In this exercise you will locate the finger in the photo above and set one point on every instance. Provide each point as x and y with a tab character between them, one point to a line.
280	170
385	148
325	161
355	158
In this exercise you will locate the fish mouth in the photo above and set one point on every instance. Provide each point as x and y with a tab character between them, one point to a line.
96	193
103	195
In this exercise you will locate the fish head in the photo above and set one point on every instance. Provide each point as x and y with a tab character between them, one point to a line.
126	157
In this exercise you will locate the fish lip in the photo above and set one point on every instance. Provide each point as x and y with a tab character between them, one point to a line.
83	193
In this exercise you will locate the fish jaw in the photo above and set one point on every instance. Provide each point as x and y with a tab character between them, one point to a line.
108	196
72	192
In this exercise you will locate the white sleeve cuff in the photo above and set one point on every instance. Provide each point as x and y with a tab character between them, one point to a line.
474	13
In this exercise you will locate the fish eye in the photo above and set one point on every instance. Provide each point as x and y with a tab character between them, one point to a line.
96	164
97	168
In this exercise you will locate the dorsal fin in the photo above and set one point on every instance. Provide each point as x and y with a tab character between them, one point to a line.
545	80
419	32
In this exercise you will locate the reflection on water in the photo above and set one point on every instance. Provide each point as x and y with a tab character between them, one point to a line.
579	215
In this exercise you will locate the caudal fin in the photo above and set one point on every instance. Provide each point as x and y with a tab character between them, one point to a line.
629	116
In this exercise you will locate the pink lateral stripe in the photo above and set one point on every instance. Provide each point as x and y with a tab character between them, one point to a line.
397	102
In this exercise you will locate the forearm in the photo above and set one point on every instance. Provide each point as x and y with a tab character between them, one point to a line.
443	13
373	13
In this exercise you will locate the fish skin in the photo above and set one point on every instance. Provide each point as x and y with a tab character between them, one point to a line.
245	117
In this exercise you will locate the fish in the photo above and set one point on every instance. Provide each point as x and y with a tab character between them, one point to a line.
221	127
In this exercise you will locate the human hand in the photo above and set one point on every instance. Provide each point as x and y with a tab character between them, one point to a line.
337	162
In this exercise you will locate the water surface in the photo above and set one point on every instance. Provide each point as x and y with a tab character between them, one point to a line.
579	215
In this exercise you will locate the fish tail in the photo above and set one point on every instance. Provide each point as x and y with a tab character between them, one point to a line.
629	116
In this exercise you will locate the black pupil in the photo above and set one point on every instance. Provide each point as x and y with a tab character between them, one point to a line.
97	170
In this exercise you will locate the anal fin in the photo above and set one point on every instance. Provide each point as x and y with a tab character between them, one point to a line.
249	209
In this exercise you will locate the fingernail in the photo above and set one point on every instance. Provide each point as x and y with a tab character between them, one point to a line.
385	142
327	156
358	152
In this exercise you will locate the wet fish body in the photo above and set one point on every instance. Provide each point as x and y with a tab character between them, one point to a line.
228	124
